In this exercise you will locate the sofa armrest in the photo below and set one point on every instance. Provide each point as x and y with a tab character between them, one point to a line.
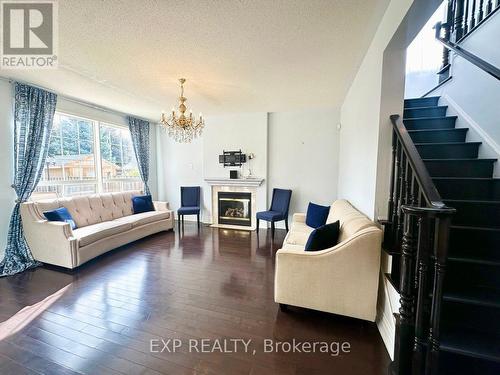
161	206
50	242
299	218
342	279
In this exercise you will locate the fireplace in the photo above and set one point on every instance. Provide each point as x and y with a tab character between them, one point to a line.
235	208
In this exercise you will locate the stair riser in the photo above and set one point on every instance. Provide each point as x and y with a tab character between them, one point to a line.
422	124
421	102
471	168
468	189
464	315
476	214
463	275
425	112
475	243
454	135
467	150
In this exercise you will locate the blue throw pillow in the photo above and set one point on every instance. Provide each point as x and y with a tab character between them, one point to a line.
61	214
142	203
316	215
323	237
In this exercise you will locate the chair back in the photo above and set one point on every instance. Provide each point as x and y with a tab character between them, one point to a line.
190	196
281	201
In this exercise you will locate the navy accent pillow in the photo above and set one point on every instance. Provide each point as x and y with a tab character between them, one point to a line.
316	215
323	237
142	203
61	214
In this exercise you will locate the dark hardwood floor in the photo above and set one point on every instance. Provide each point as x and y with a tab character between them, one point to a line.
212	284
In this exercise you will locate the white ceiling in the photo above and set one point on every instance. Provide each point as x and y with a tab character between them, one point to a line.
237	55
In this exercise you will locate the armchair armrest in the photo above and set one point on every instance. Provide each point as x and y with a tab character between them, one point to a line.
161	206
299	217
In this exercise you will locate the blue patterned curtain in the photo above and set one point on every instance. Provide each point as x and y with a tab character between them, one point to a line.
33	116
139	129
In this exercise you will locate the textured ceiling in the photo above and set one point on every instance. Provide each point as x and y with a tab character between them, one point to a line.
237	55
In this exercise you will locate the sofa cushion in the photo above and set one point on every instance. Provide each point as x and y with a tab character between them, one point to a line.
60	214
316	215
142	203
353	225
297	238
92	233
298	226
323	237
144	218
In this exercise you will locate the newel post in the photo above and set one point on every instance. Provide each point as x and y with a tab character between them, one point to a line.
441	254
404	346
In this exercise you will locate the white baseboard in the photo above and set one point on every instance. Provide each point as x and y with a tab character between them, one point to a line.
388	304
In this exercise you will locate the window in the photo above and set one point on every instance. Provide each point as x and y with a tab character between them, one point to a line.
118	163
86	157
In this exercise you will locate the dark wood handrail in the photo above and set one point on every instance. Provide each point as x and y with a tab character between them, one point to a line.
429	191
480	63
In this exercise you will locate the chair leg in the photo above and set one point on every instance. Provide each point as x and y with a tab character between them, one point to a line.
198	219
286	224
272	229
179	221
258	226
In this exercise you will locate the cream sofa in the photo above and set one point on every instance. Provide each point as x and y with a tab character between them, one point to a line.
342	279
104	222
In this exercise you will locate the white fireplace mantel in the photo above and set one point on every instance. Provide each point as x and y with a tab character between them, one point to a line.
249	182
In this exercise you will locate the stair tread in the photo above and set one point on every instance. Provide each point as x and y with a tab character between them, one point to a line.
476	201
471	343
437	130
447	143
462	159
467	178
469	227
428	107
428	118
474	295
468	259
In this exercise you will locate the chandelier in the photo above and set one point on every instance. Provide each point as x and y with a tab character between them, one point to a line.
180	127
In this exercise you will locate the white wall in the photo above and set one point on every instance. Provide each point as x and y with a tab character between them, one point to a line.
7	194
179	164
303	156
291	151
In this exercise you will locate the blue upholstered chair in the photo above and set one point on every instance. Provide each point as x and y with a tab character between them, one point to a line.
190	203
279	209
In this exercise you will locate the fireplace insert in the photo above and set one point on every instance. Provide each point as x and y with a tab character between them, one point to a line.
235	208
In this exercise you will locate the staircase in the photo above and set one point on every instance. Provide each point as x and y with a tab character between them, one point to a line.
470	315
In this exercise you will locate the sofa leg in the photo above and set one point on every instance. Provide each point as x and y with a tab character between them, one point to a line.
286	224
283	307
272	229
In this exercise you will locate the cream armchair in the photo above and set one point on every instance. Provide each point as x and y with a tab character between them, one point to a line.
342	279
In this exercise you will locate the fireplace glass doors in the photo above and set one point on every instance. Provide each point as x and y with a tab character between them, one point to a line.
235	208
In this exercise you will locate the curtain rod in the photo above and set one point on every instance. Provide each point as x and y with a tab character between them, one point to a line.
77	101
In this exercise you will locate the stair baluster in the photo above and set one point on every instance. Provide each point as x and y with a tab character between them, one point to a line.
459	17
